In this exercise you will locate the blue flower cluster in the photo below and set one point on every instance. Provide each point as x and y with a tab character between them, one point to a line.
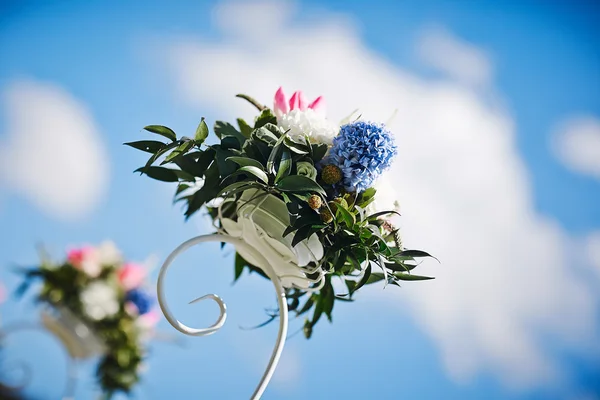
141	299
362	150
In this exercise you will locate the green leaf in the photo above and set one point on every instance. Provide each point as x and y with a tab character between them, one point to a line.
240	264
309	303
274	129
318	311
266	117
367	194
265	135
230	142
301	234
224	129
160	173
245	161
415	253
285	165
340	261
179	151
234	188
274	154
149	146
160	152
257	172
244	128
411	277
201	132
289	230
162	130
204	161
375	277
298	148
297	183
351	285
318	151
364	279
226	168
184	176
328	299
345	215
399	266
354	260
379	214
207	192
181	188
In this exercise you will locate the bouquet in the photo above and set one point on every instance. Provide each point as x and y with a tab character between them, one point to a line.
300	191
97	305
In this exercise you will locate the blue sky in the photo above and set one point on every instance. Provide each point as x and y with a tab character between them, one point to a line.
494	103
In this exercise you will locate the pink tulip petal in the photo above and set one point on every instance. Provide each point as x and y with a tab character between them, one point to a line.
280	105
295	101
302	103
318	105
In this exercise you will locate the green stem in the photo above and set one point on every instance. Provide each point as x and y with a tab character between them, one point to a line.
252	101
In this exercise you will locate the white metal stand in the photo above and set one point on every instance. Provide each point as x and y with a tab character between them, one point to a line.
267	269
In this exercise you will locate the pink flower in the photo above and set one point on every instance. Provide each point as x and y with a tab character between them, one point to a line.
76	256
131	276
297	102
86	259
149	320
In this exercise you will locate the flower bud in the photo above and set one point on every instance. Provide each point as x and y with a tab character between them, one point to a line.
315	202
326	216
331	174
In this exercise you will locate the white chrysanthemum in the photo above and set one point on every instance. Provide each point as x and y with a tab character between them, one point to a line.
309	122
99	301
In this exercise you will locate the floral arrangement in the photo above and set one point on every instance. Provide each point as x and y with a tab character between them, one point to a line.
100	296
298	188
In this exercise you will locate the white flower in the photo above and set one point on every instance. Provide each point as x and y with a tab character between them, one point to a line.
262	228
311	123
92	260
99	300
90	263
108	254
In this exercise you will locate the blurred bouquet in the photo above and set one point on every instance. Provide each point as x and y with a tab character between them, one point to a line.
297	188
96	304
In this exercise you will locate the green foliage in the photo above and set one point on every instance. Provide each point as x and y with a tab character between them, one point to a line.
201	132
360	249
62	285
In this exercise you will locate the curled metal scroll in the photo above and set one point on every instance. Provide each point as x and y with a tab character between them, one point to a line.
267	269
69	391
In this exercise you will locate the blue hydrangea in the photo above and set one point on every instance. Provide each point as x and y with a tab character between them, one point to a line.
142	299
362	150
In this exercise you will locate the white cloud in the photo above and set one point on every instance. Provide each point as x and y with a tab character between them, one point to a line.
576	143
449	54
592	251
52	153
504	285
